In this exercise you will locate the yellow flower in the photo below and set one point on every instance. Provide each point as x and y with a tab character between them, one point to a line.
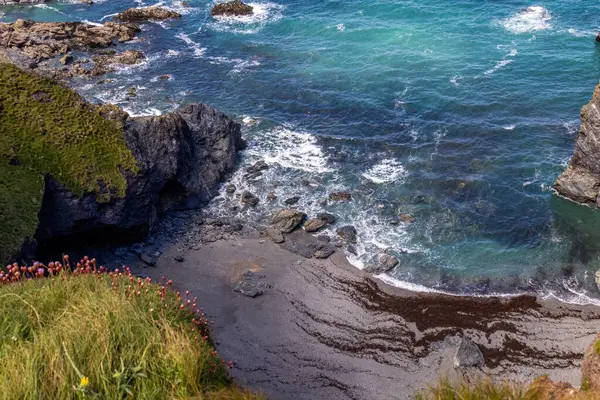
84	381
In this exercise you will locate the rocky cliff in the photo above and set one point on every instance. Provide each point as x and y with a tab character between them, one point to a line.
581	181
182	158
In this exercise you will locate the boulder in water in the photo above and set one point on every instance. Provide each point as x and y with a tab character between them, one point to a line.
287	220
340	196
232	8
146	13
249	199
347	233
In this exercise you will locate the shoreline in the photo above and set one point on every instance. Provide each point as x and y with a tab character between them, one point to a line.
355	337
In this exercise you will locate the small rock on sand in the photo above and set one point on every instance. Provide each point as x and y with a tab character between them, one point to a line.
468	355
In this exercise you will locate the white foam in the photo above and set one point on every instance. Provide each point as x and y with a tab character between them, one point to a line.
242	65
198	50
509	127
530	19
291	149
454	80
173	53
263	13
47	7
388	170
341	27
250	121
499	64
147	112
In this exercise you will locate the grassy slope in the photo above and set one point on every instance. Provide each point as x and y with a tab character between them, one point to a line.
46	128
142	346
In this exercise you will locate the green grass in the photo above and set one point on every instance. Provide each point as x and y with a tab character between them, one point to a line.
597	347
478	390
46	128
101	336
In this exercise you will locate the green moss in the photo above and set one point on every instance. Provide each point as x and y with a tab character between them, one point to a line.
49	129
597	347
585	385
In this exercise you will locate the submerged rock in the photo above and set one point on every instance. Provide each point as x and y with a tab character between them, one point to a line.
287	220
249	199
347	233
235	7
145	14
340	196
259	166
292	200
468	355
581	181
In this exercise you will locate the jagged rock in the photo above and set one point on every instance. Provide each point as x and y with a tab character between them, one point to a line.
387	262
145	14
287	220
322	220
259	166
249	199
292	200
275	235
347	233
468	355
252	285
235	7
340	196
44	40
581	181
182	157
128	57
307	246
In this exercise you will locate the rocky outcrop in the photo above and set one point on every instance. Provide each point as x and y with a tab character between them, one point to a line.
235	7
12	2
581	181
182	157
146	14
468	354
287	220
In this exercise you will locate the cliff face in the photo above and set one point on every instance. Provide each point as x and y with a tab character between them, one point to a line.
581	181
182	157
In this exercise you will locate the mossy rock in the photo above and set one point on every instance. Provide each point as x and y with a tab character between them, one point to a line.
48	129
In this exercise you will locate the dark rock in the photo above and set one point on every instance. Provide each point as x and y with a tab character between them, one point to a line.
581	180
249	199
386	263
235	7
257	167
275	235
340	196
182	157
323	238
164	77
307	246
148	259
324	252
292	200
302	249
178	258
323	202
230	189
598	37
305	181
352	250
468	355
252	285
347	233
328	218
145	14
287	220
314	225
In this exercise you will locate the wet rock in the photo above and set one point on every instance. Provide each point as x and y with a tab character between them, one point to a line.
340	196
235	7
323	202
178	258
287	220
292	200
314	225
323	238
259	166
324	252
305	181
230	189
249	199
347	233
252	285
352	250
307	246
146	14
271	196
132	92
598	37
468	355
386	263
328	218
129	57
407	218
581	180
275	235
66	59
164	77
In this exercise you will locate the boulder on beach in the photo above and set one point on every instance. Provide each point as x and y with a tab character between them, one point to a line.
287	220
232	8
468	354
146	13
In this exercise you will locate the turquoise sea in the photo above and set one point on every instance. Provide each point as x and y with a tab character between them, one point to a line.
459	113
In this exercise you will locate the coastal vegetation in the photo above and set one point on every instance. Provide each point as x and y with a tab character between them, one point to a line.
48	129
87	332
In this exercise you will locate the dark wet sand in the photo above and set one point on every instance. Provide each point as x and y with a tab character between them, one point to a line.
326	330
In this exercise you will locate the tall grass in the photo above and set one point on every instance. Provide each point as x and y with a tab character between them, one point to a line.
91	333
479	390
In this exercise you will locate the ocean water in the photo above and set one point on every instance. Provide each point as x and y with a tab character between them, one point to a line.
459	113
